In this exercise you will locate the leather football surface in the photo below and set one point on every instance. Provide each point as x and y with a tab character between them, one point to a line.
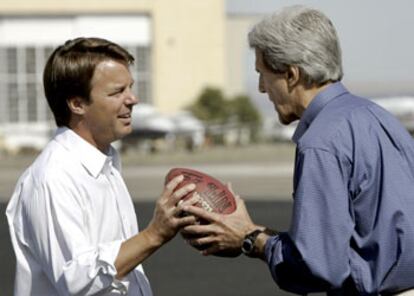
213	195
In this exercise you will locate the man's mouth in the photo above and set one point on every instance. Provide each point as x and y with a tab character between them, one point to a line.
125	116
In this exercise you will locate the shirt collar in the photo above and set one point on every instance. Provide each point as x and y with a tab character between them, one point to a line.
91	158
316	105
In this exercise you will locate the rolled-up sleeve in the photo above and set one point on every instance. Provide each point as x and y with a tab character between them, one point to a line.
92	270
314	255
62	242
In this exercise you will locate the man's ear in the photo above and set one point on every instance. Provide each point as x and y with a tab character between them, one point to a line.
76	105
293	76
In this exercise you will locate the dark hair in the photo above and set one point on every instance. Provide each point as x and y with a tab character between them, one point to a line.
69	70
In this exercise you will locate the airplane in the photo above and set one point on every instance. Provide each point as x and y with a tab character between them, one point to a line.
149	127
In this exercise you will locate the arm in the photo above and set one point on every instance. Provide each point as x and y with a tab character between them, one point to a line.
61	241
313	255
163	227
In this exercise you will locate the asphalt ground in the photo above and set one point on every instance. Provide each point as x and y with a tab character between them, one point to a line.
179	270
261	174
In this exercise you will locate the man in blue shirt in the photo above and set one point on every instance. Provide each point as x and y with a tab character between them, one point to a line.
352	229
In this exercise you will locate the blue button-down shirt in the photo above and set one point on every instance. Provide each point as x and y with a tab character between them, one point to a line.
353	210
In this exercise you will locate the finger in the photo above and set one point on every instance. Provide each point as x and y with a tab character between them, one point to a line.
240	205
230	187
201	213
197	230
169	188
195	197
184	221
178	211
239	200
210	250
236	196
178	194
201	241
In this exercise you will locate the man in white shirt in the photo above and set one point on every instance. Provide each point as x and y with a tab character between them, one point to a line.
71	218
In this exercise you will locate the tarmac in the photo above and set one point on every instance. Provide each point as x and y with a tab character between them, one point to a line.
179	270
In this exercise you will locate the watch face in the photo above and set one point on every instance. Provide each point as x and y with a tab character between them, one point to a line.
247	246
249	241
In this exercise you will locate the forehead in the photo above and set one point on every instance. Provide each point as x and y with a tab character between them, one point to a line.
109	66
111	71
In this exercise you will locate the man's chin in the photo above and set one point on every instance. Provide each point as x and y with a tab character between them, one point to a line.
125	131
284	120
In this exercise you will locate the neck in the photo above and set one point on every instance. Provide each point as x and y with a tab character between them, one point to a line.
84	133
306	95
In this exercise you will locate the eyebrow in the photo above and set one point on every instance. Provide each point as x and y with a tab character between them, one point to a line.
122	84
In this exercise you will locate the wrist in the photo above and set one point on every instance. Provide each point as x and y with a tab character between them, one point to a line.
254	242
153	238
260	245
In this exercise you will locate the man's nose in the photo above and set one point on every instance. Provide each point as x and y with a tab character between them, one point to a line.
131	99
261	89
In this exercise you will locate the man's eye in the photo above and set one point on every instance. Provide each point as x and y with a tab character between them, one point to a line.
116	92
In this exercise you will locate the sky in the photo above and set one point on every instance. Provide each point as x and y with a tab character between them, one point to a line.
376	36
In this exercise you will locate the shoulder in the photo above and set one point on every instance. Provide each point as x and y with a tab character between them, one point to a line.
52	171
51	163
338	118
338	125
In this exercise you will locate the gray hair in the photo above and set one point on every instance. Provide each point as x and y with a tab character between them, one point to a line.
303	37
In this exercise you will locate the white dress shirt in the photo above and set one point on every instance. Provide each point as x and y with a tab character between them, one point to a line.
68	216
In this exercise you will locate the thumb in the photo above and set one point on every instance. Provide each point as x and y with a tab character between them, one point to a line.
230	188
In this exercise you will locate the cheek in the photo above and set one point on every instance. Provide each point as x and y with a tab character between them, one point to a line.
104	114
279	94
275	97
111	108
117	105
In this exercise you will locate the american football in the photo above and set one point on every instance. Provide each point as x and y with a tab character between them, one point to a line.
213	195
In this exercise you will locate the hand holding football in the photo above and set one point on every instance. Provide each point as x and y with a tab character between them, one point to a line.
213	195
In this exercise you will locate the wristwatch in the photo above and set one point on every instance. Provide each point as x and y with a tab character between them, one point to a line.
248	244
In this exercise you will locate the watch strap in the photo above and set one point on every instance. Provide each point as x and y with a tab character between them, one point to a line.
249	242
